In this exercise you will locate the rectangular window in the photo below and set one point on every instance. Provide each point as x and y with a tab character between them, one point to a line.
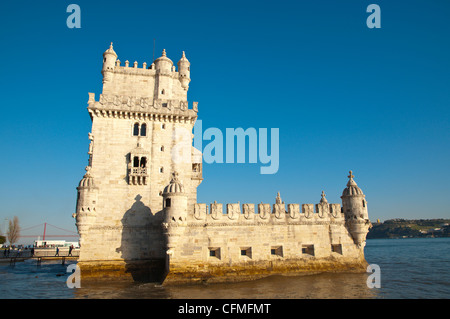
214	252
246	251
276	251
308	250
336	248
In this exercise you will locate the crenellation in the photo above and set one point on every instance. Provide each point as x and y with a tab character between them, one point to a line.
236	215
233	211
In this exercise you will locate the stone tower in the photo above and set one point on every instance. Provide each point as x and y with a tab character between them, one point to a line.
141	133
137	212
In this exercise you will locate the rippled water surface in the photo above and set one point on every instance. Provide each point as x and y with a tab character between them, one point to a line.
410	268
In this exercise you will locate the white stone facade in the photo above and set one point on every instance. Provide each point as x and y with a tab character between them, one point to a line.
137	203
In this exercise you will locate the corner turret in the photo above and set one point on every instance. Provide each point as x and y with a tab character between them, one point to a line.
175	212
109	62
163	64
354	206
86	201
184	70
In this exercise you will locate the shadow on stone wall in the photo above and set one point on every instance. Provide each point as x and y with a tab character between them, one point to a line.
142	244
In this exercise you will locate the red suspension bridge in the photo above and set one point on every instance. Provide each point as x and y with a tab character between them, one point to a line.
47	232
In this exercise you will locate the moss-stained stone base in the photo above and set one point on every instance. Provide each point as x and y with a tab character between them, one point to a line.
141	271
182	273
207	273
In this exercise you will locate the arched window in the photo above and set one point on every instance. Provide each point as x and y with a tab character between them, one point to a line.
144	129
136	161
143	162
136	129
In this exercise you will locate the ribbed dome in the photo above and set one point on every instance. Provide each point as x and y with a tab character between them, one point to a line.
87	181
352	188
110	51
163	57
174	186
183	59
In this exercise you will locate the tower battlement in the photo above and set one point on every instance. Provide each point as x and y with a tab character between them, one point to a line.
266	213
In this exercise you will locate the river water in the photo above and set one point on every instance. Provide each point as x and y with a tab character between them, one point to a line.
409	269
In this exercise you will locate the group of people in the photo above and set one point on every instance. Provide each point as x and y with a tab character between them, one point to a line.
70	251
18	251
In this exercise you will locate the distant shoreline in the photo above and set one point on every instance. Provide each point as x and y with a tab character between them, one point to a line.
410	228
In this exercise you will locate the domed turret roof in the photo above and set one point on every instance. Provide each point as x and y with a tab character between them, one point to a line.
110	51
174	186
163	57
183	59
352	188
87	181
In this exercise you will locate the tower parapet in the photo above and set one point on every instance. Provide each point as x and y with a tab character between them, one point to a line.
237	213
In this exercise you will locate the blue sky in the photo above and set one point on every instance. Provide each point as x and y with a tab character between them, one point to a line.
344	97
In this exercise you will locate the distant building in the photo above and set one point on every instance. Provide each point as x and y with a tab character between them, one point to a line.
137	212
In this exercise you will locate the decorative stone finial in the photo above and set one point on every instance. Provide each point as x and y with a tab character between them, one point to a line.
323	199
351	182
174	177
278	199
164	52
351	175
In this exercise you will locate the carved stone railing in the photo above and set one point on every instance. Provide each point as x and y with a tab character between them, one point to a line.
138	175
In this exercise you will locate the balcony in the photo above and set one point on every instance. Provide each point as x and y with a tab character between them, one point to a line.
137	176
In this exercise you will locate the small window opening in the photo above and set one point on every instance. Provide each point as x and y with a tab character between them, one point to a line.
136	161
163	126
144	129
246	251
162	148
214	252
308	250
336	248
276	251
168	202
161	169
136	129
143	162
